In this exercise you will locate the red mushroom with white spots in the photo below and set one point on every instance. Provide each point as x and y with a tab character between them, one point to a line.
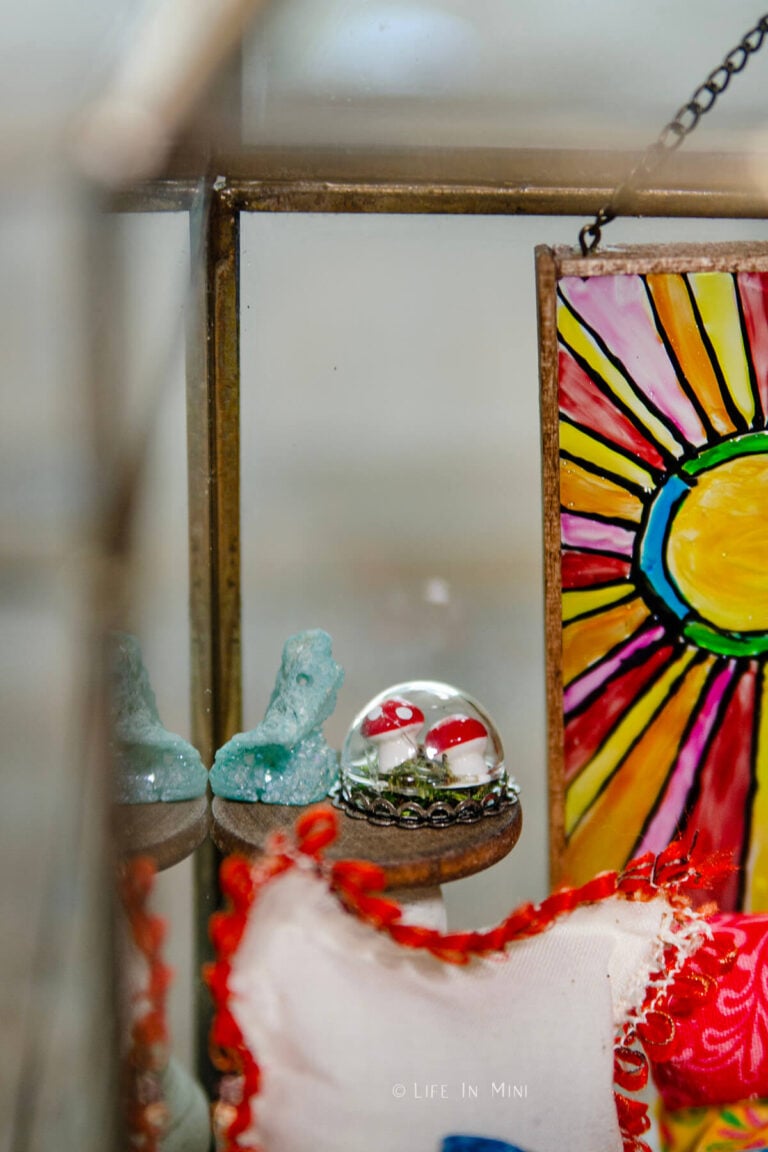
393	727
462	741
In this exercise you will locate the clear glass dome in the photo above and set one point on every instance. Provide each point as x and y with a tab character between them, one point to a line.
425	743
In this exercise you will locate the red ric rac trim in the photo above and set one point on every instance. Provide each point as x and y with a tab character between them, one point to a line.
146	1115
630	1069
359	886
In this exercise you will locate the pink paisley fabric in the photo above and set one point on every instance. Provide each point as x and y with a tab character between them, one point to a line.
721	1049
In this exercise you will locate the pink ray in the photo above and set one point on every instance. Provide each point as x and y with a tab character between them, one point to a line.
583	532
617	308
663	826
753	291
594	678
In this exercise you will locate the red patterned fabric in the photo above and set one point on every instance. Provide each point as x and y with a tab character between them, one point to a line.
720	1054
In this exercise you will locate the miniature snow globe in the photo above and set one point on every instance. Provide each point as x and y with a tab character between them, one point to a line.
423	754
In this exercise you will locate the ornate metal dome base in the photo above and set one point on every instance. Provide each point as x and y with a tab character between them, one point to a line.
410	812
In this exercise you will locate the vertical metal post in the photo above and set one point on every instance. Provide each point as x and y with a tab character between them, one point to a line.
213	407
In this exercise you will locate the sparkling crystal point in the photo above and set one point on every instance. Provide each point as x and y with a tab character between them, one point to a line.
151	763
285	759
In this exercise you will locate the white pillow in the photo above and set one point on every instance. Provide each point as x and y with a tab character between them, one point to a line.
368	1046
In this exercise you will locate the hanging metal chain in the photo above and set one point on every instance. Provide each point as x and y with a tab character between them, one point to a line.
672	136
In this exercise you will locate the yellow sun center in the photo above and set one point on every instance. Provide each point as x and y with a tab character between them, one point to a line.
717	550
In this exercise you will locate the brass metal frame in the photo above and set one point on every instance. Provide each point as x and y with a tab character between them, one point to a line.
424	181
213	474
213	434
459	181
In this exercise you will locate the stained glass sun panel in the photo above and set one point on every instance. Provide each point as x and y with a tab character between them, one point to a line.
655	409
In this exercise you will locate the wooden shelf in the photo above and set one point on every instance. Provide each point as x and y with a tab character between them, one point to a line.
167	832
410	857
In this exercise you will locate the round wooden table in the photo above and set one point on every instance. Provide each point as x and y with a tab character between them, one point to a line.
410	857
168	832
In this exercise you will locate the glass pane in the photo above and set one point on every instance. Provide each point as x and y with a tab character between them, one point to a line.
391	471
154	265
155	262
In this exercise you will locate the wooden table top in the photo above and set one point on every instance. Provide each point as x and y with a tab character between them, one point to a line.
167	832
410	857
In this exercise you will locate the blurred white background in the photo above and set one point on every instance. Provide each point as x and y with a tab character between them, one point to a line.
507	73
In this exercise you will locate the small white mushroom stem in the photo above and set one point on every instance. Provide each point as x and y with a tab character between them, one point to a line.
396	748
468	759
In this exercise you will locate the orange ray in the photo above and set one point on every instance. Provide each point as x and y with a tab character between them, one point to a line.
583	491
673	304
586	641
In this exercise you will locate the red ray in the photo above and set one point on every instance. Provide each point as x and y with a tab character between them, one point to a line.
587	731
584	569
753	293
719	813
582	401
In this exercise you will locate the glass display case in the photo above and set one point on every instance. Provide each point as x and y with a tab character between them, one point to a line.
307	359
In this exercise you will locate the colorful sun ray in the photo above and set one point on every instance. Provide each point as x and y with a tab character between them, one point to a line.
667	819
719	814
756	895
586	641
753	299
589	601
597	535
597	495
663	393
587	348
587	730
583	402
677	318
588	569
594	679
629	795
717	300
593	778
617	307
593	450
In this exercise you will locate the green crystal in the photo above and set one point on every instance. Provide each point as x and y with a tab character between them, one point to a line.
151	763
285	759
